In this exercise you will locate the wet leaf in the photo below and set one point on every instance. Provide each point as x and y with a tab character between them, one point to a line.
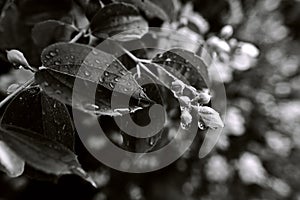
38	151
51	31
187	66
40	113
92	68
119	21
155	8
10	162
210	117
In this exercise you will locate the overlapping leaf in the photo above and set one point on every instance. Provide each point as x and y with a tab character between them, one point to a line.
120	21
186	66
51	31
38	151
39	113
91	68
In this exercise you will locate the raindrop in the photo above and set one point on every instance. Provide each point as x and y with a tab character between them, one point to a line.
117	79
151	141
94	52
58	92
87	73
63	127
101	80
201	126
106	73
57	63
111	85
57	50
123	72
52	53
91	106
46	84
97	61
48	57
54	105
72	57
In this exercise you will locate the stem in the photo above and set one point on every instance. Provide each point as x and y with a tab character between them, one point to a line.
10	96
78	36
140	63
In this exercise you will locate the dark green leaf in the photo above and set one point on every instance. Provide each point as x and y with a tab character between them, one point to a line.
186	66
119	21
51	31
39	113
64	62
40	152
163	9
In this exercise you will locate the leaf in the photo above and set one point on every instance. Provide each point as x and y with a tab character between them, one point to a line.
186	66
92	68
39	113
51	31
210	117
155	8
38	151
119	21
10	162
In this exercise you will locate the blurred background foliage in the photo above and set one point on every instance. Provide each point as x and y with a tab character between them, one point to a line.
258	154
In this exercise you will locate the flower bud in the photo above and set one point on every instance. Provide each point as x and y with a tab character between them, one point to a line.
226	32
17	58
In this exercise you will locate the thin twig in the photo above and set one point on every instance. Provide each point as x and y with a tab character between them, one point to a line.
10	96
78	36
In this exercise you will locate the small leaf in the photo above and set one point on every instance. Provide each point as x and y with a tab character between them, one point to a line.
119	21
10	162
210	117
185	64
38	151
50	117
155	8
51	31
17	58
92	68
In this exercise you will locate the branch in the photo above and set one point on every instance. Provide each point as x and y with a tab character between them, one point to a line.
10	96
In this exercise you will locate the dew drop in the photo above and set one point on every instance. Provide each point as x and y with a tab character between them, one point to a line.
58	92
111	85
151	141
87	73
46	84
201	126
123	72
48	57
106	73
101	80
91	106
72	57
57	50
97	61
57	63
54	105
21	98
51	53
63	127
94	52
117	79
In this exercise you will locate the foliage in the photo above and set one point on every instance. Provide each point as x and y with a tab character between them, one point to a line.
56	43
